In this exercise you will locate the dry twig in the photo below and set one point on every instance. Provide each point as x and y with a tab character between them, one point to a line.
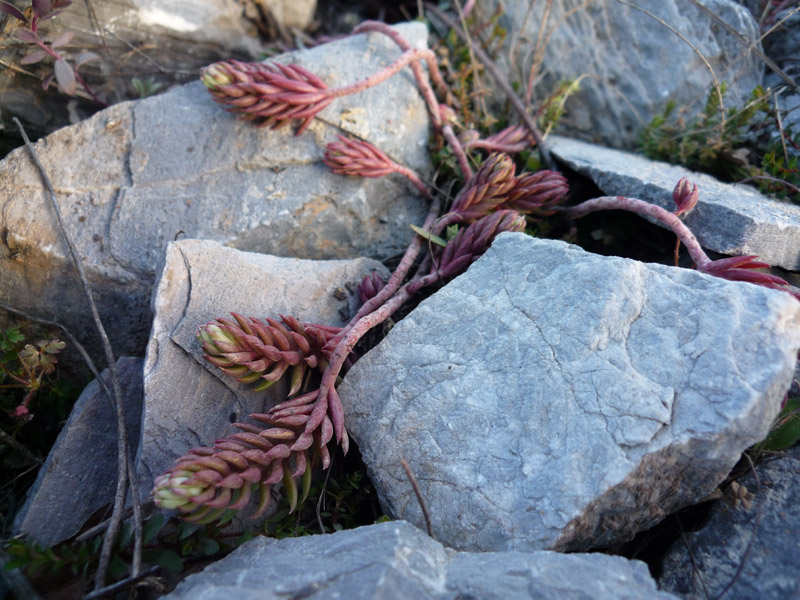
420	499
125	473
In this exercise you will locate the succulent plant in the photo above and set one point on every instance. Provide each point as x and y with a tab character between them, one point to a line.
357	158
272	94
537	193
472	241
685	195
256	351
206	482
486	189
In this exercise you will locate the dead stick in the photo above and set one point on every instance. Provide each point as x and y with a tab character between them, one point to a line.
122	446
89	363
10	441
418	492
502	83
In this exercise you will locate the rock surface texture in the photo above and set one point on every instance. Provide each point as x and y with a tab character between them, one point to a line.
396	561
765	537
172	40
79	475
189	402
730	219
141	174
626	84
553	399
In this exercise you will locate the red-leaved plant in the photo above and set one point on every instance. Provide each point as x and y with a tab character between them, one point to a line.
64	72
293	436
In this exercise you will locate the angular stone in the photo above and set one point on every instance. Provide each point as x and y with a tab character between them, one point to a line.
626	84
553	399
395	561
189	402
730	219
766	538
79	476
141	174
172	40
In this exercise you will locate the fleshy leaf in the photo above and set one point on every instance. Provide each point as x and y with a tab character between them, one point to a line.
33	58
65	77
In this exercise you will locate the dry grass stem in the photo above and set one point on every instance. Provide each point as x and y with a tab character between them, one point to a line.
125	474
413	481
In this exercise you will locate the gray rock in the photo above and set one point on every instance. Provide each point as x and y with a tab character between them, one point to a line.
730	219
141	174
397	561
553	399
633	65
79	476
189	402
768	533
172	40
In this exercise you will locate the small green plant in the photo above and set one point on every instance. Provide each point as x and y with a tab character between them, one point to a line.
23	368
168	544
785	432
145	87
721	141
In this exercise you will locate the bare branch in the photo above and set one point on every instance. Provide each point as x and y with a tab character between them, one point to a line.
123	452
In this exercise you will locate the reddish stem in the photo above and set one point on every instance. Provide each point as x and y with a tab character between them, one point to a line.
446	220
363	325
78	78
415	179
422	81
458	150
493	147
648	210
502	83
410	56
399	274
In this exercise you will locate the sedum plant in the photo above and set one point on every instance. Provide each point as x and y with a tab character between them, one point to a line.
285	444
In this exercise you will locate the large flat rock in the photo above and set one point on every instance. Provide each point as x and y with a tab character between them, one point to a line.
140	174
396	561
730	219
549	398
187	401
630	63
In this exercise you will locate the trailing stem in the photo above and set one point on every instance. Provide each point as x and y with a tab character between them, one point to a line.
644	209
502	83
422	80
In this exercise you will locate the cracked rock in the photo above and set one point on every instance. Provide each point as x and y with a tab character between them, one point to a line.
140	174
396	561
730	219
763	538
549	398
629	64
187	401
79	476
